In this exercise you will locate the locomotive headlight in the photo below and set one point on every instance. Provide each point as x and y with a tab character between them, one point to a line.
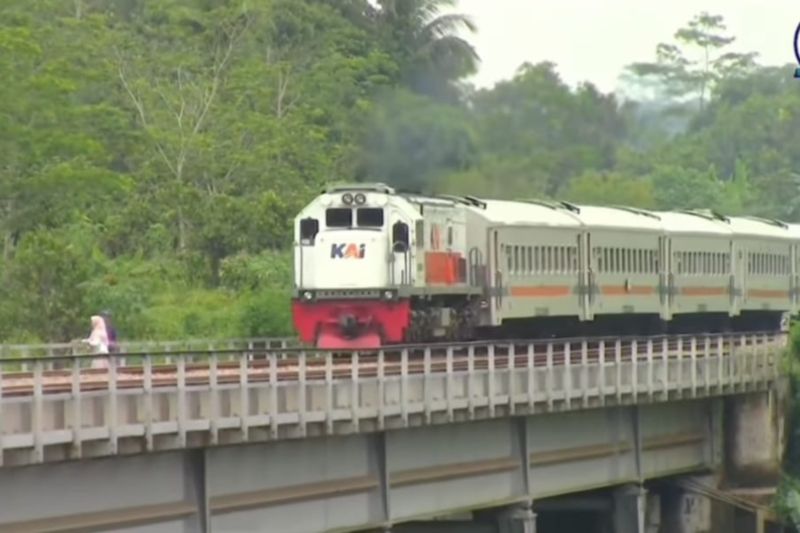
389	295
360	198
347	198
307	296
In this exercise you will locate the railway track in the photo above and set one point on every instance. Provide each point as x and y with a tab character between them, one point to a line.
226	367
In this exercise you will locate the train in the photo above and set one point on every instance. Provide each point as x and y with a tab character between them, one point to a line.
374	266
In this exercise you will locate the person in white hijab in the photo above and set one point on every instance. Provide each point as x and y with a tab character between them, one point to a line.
98	340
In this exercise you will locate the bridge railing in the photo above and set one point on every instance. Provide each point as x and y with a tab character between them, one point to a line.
231	396
78	347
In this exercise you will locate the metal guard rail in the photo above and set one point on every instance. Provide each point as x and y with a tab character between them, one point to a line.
49	415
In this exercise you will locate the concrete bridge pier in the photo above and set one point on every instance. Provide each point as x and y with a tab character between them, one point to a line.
517	519
636	510
756	437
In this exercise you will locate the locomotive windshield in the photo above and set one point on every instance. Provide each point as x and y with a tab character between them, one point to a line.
342	217
339	217
371	217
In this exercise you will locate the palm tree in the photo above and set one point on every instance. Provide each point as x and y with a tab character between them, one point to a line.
427	41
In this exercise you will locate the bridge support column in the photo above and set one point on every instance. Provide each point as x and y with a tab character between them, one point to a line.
755	437
517	518
636	511
687	512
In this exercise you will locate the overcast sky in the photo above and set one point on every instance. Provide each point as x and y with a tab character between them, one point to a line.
594	39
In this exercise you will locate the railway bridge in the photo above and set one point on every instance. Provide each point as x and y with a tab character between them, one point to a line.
260	435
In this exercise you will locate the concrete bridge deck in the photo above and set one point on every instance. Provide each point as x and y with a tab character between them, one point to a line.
299	444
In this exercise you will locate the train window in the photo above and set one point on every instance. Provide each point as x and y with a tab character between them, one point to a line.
419	230
516	259
530	258
309	227
338	217
568	259
509	259
370	217
450	236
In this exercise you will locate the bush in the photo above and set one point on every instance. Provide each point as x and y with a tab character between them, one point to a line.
267	313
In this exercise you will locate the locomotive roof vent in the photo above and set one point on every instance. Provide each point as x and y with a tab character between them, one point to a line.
369	187
708	214
466	199
637	211
771	221
553	205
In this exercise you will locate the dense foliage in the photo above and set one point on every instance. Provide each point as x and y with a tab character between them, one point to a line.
152	154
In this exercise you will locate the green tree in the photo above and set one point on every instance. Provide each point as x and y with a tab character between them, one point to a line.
611	189
47	283
680	74
431	52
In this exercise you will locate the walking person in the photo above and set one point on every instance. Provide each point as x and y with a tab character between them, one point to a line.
111	332
98	340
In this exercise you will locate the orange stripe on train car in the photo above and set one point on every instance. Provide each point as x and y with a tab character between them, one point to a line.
703	291
540	290
767	293
633	290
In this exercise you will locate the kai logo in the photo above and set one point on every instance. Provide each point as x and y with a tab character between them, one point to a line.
348	251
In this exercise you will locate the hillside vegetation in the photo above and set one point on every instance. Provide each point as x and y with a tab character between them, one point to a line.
153	154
